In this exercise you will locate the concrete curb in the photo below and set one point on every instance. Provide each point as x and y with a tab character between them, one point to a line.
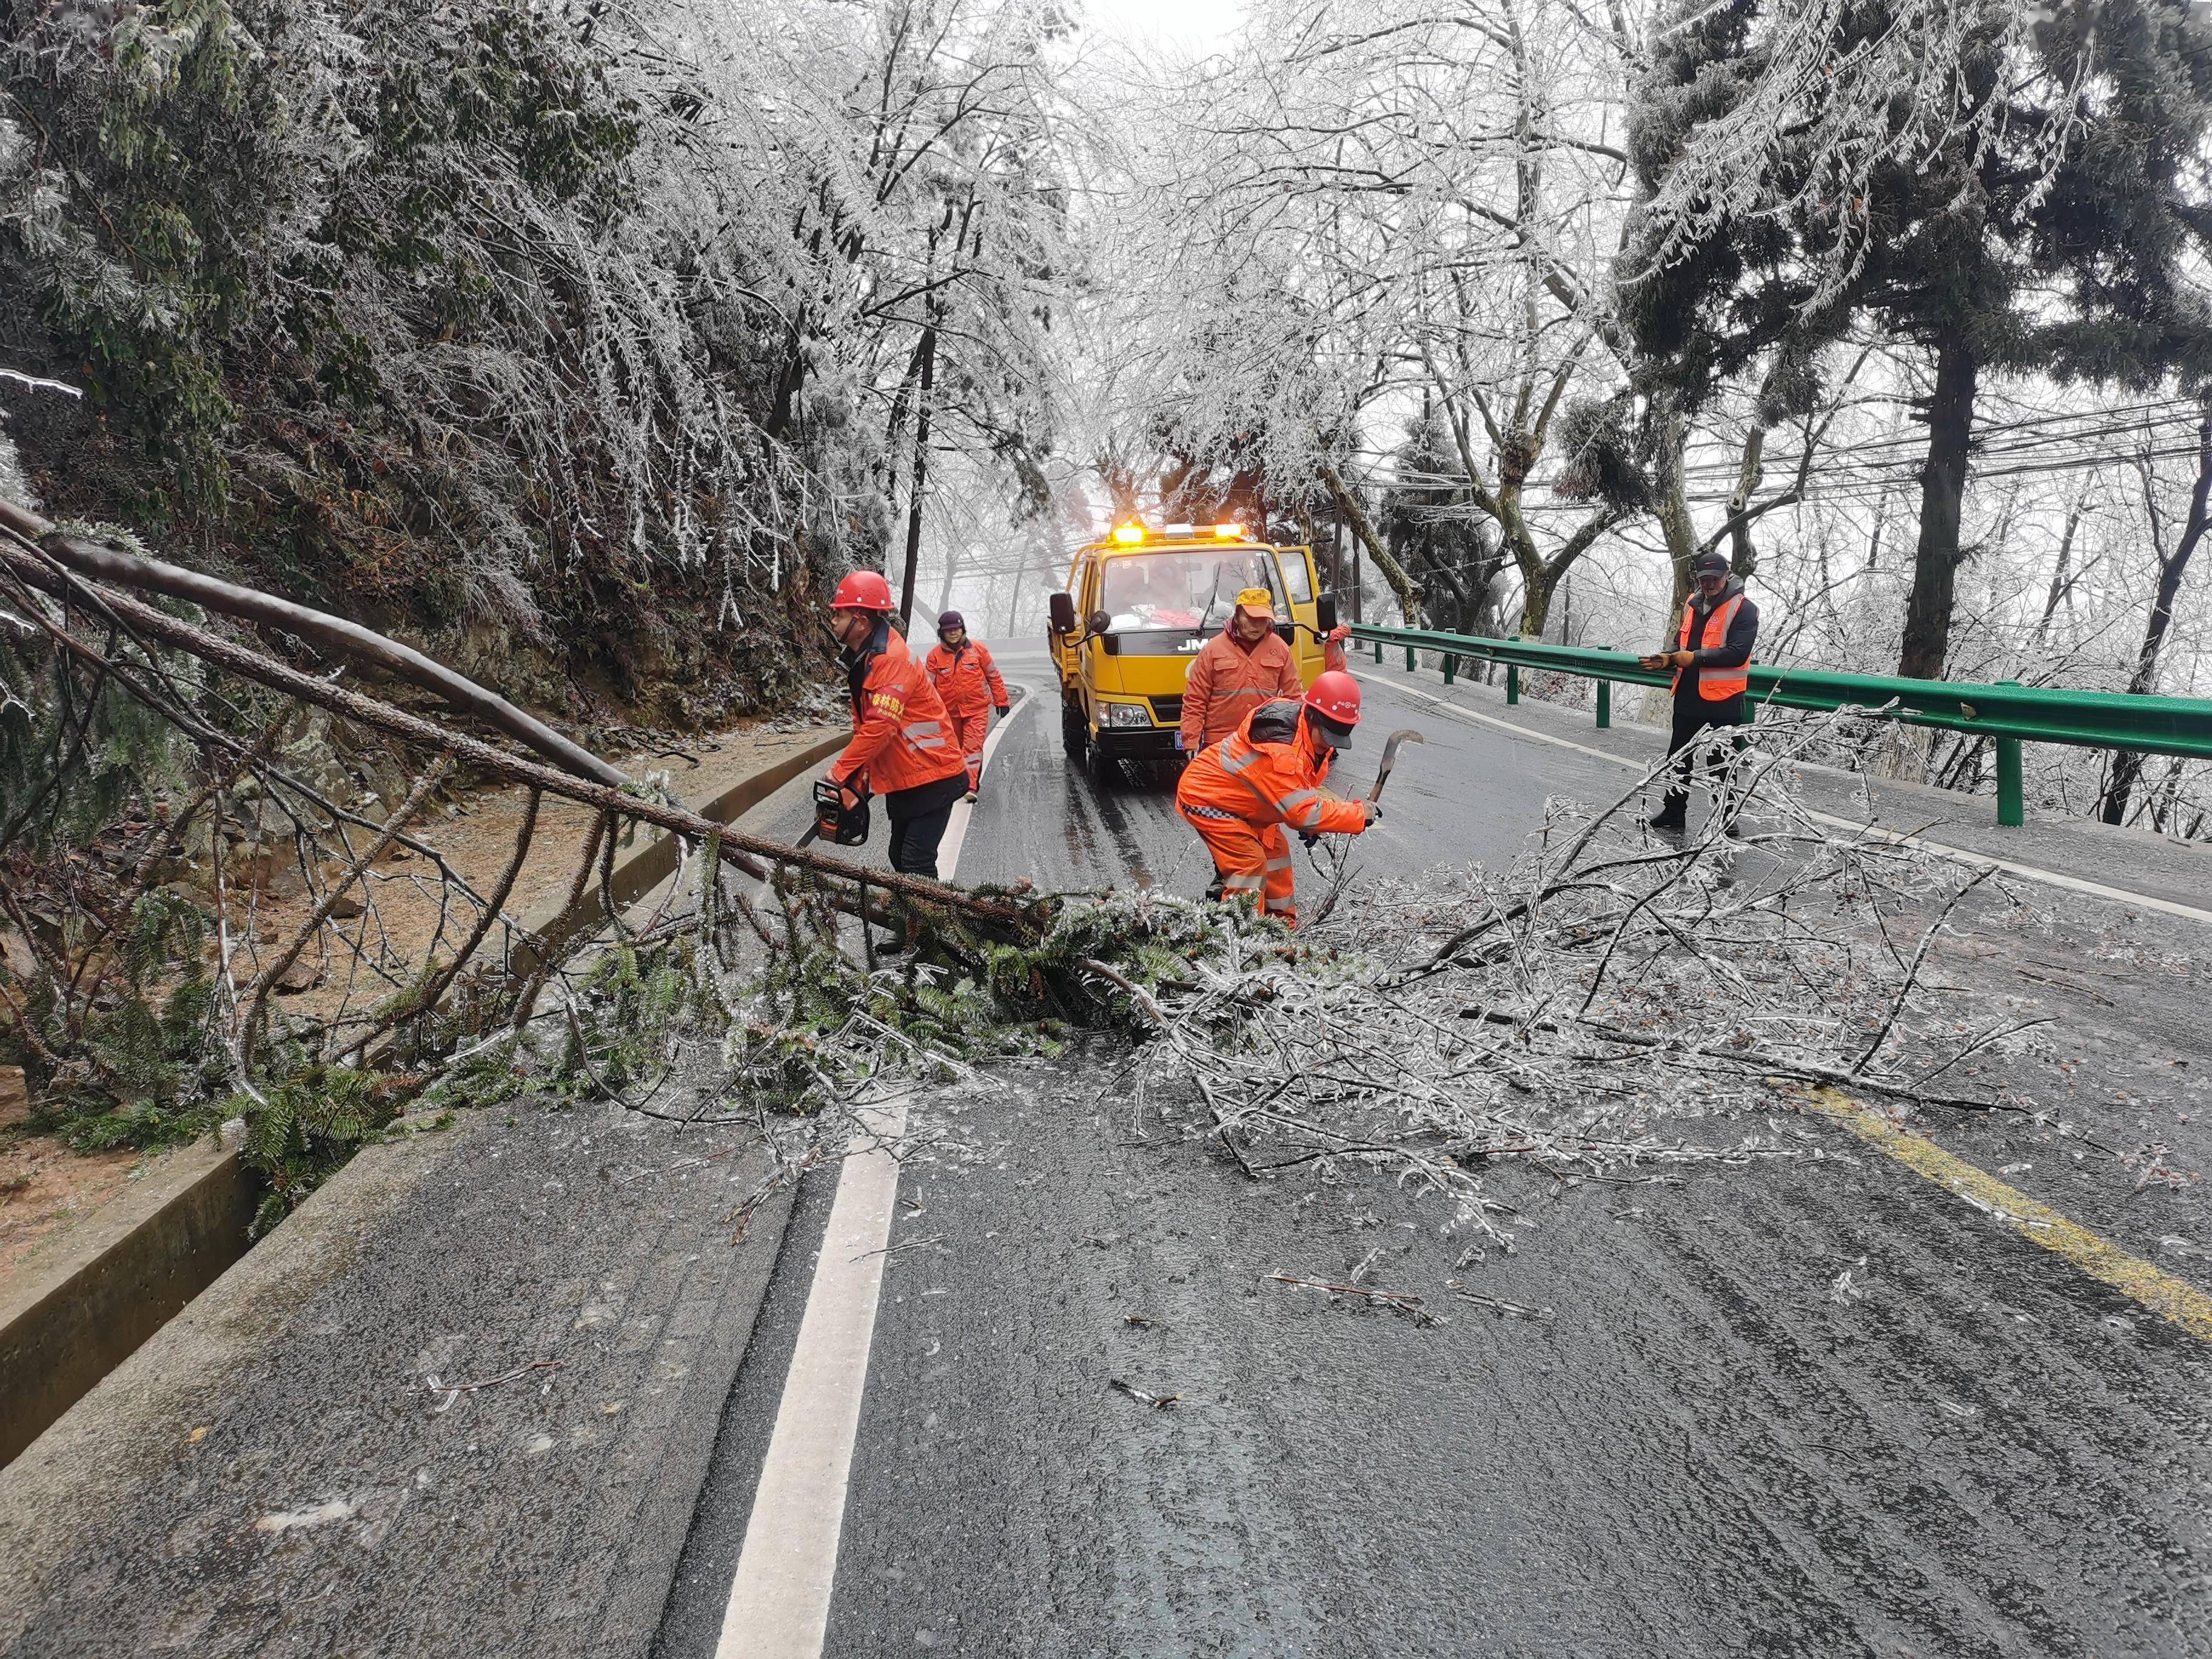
271	1470
117	1280
555	923
132	1267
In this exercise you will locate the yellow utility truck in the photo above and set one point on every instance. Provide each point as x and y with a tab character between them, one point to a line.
1139	605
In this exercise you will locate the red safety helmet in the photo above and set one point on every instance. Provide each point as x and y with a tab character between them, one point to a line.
1333	709
864	590
1335	697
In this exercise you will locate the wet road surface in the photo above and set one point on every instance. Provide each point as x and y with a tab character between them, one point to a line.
1709	1442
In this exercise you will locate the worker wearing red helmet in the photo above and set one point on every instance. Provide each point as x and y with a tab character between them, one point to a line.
903	747
970	684
1239	793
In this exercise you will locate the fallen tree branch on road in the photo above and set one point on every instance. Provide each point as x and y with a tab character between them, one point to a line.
1576	1011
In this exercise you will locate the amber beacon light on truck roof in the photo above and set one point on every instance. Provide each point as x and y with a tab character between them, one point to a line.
1133	534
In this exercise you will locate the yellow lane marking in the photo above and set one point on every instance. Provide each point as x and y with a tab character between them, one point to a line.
2159	1291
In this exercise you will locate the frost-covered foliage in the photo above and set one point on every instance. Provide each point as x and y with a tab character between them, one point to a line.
1612	1004
1374	205
556	328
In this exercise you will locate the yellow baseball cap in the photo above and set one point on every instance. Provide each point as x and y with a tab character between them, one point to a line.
1256	600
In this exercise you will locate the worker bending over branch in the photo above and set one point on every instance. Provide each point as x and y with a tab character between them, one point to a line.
1239	793
1711	662
1247	663
968	684
903	747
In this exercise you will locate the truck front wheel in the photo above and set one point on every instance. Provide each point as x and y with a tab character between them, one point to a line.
1074	730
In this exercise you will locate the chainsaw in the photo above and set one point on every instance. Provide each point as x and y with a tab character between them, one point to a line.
847	826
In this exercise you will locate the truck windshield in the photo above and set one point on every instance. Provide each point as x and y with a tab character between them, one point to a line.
1184	590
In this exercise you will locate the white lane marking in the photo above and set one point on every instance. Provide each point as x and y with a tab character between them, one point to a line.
2028	871
779	1605
956	827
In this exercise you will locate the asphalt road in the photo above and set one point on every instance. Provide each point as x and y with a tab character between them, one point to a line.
1703	1447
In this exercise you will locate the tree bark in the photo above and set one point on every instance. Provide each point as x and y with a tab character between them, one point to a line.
2127	763
951	574
921	480
753	854
1675	521
2062	574
1408	592
1536	585
1743	557
1942	499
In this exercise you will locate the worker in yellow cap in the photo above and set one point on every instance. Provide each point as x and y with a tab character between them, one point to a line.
1244	666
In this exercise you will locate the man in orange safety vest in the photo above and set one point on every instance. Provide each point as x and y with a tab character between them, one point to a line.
1710	661
903	747
1239	793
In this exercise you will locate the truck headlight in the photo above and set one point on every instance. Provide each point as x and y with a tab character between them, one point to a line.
1124	714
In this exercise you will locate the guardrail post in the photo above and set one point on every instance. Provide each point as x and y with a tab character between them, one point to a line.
1450	663
1412	663
2012	806
1512	683
1378	653
1604	705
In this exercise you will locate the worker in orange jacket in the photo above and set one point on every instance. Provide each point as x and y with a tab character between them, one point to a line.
968	682
1239	793
1247	663
903	746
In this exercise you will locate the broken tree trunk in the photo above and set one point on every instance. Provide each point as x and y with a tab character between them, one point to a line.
38	568
319	628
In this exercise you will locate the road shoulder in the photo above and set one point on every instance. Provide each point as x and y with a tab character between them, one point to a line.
276	1467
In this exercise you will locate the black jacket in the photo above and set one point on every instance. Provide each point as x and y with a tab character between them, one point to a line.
1735	651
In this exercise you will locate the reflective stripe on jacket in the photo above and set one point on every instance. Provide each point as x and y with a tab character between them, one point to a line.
1226	683
902	736
967	679
1714	685
1268	771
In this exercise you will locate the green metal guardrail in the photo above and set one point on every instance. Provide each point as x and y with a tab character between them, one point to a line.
2010	713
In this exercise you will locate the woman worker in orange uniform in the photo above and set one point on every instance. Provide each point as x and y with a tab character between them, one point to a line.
968	684
1238	793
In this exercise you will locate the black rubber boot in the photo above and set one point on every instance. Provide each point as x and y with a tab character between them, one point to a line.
1672	822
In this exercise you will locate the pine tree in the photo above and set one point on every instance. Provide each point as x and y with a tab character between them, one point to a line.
2011	188
1436	532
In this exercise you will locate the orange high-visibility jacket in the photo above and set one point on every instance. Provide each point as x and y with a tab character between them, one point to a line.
1714	685
901	738
1227	681
967	678
1268	771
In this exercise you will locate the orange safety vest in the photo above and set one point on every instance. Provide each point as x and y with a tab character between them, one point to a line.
1715	685
901	738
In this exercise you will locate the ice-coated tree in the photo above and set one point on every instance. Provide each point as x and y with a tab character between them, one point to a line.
2011	187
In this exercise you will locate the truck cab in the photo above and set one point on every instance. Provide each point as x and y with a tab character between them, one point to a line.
1138	605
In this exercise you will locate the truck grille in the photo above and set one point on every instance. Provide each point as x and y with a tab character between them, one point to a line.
1166	711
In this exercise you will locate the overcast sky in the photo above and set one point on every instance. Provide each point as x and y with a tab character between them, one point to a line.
1186	23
